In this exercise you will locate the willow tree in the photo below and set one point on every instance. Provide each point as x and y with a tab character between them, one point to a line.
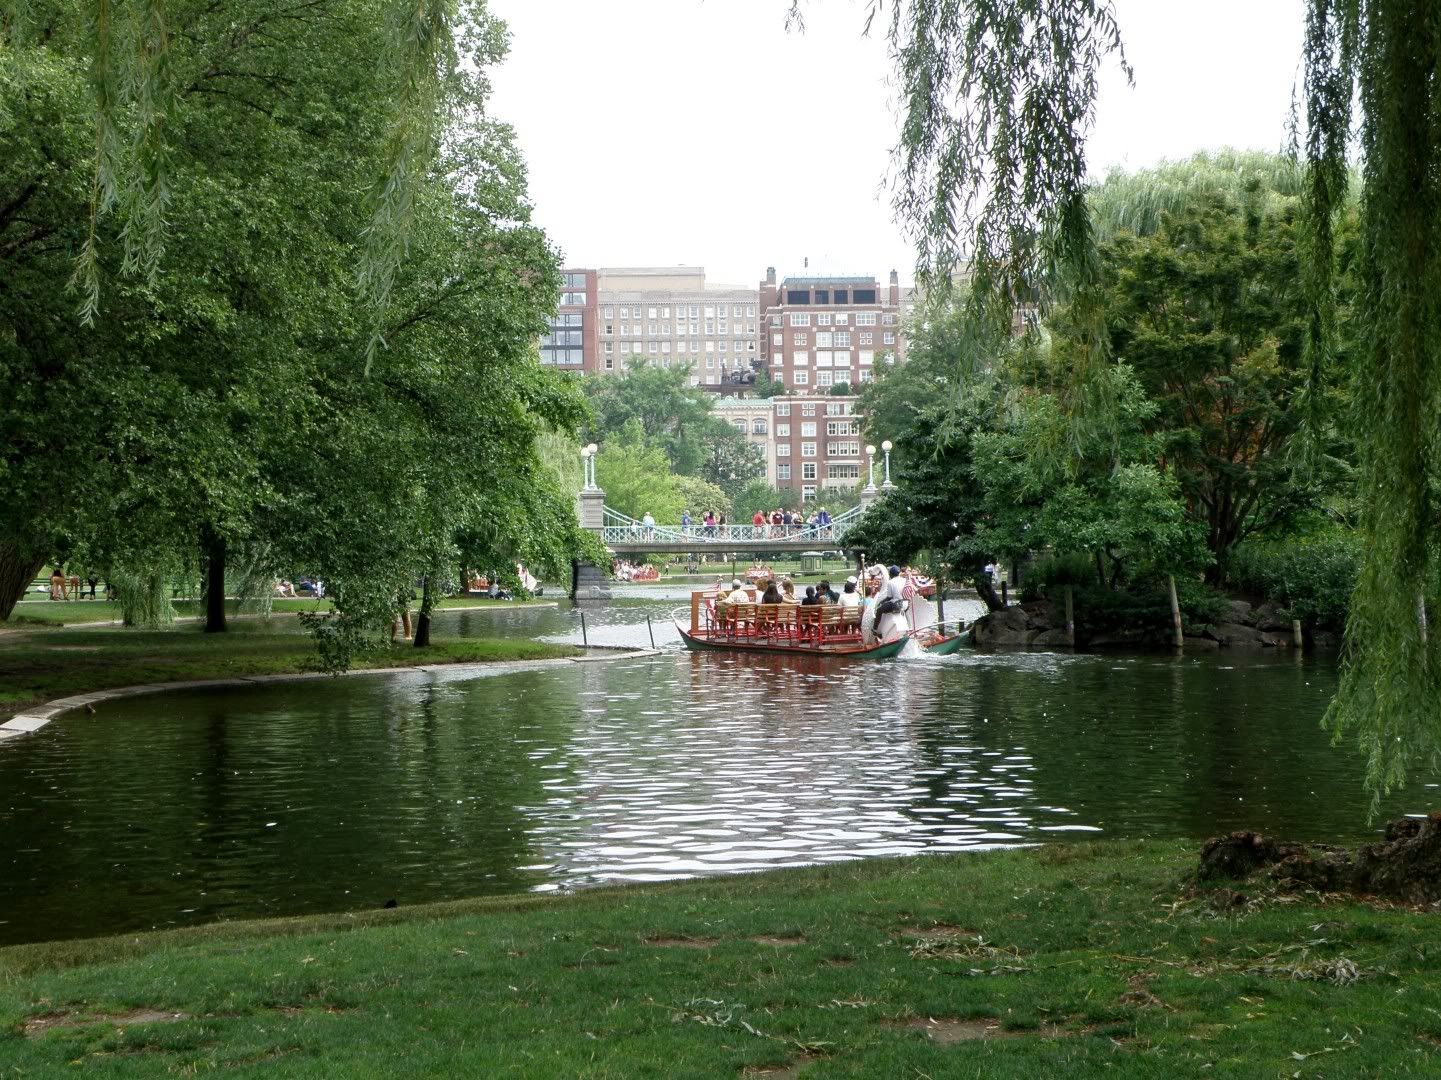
997	101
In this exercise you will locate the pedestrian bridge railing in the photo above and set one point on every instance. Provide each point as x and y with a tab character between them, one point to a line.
621	529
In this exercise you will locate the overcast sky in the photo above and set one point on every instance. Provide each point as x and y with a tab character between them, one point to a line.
662	132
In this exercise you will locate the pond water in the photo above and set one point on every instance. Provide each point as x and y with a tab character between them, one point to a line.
338	794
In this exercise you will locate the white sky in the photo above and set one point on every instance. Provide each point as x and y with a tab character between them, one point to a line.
700	132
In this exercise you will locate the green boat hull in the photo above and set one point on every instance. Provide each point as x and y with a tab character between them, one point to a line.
886	651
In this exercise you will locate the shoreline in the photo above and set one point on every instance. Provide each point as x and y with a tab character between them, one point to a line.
34	718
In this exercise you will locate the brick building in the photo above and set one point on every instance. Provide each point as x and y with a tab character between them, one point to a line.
811	441
817	332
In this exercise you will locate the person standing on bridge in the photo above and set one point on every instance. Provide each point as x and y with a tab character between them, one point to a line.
685	522
649	523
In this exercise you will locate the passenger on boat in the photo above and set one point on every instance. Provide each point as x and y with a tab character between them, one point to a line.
827	594
788	591
811	597
772	595
850	598
738	594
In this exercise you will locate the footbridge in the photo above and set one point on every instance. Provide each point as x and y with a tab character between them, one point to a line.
624	535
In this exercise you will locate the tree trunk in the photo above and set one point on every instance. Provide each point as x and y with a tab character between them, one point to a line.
986	589
214	581
422	624
1070	619
1178	636
1100	569
18	567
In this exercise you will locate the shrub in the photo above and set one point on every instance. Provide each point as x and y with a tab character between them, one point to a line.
1308	578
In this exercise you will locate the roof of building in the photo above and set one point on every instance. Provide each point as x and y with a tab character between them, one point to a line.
804	282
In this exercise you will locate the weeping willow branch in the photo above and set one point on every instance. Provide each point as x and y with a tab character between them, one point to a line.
105	182
1388	50
422	54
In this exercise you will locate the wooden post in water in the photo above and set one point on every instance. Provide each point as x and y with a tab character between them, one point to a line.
649	630
1070	620
1296	638
584	640
1178	635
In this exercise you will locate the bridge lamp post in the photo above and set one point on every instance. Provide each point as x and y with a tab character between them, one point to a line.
871	453
887	485
587	461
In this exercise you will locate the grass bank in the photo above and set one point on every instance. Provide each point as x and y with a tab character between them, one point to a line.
42	665
77	612
1072	961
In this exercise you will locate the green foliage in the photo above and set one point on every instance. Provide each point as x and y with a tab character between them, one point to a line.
1310	578
699	495
637	478
144	596
758	495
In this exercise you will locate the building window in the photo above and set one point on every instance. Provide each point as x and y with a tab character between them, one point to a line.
801	339
808	408
801	378
889	319
823	319
758	426
865	318
783	472
840	408
865	337
866	357
609	329
776	340
823	339
841	427
635	348
864	296
823	296
710	363
654	347
867	375
783	449
842	296
843	449
783	409
843	338
775	320
808	470
610	363
798	296
823	358
572	299
843	360
843	470
808	493
842	318
801	359
800	320
808	431
783	431
808	449
824	378
609	347
888	339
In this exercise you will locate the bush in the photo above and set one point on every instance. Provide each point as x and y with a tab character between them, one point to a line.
1307	578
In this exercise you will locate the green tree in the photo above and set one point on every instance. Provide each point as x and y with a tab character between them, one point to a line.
637	477
699	495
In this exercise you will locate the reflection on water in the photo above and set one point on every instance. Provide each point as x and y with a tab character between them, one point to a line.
328	795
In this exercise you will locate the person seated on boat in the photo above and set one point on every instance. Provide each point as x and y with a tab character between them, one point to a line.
850	598
788	591
739	594
827	594
773	594
811	598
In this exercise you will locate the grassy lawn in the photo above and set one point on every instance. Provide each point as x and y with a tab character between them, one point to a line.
44	612
41	665
1065	961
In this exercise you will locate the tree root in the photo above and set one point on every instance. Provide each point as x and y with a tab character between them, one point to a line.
1405	866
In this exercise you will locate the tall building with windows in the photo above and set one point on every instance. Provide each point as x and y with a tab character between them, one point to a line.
670	316
817	332
811	441
571	343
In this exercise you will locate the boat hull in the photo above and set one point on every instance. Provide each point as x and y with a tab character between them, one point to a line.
945	647
882	651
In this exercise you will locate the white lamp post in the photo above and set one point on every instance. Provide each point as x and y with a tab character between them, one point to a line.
587	460
871	453
886	484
